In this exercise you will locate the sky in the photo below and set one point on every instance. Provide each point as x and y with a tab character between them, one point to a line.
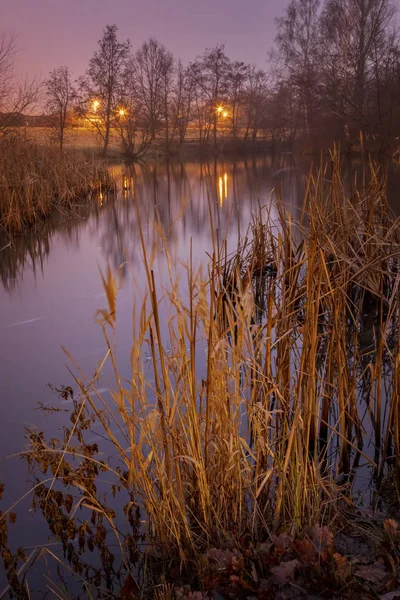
51	33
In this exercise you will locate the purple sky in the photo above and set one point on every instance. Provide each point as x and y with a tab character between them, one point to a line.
55	32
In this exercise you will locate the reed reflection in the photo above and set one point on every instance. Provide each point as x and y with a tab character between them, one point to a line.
180	200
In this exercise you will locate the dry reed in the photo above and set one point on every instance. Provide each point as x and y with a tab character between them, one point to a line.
36	181
297	337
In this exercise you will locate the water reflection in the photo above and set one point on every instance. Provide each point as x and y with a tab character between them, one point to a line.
223	188
51	287
30	252
179	198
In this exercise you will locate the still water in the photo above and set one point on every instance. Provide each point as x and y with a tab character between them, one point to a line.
50	285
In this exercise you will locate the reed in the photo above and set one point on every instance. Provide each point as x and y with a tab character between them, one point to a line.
296	337
38	181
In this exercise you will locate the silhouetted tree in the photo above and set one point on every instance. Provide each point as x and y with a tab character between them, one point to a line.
355	33
103	83
298	53
167	84
59	94
256	94
210	72
202	114
384	93
181	104
133	122
152	70
17	94
335	71
237	76
280	119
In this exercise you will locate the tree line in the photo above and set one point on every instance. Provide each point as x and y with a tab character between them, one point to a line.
334	72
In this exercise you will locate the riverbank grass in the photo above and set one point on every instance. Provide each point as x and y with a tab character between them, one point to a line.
38	180
273	392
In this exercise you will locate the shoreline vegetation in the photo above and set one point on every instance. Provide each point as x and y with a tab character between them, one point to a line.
235	470
37	181
81	137
85	138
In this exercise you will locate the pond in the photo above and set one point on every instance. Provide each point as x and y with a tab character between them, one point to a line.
51	288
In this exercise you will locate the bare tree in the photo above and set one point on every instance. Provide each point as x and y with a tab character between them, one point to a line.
59	93
152	70
353	30
255	95
133	123
237	75
383	94
202	112
210	74
101	87
7	55
17	94
298	53
167	84
181	103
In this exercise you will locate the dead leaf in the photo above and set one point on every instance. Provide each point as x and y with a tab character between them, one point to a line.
373	573
305	550
129	590
237	563
321	538
391	596
265	547
343	567
284	540
391	527
236	580
283	573
68	502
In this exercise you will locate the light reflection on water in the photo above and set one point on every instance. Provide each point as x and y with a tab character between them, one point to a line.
50	287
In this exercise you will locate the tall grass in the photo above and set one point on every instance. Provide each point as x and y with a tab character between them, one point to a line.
296	335
36	181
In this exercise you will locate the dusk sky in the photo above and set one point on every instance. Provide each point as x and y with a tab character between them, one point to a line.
55	32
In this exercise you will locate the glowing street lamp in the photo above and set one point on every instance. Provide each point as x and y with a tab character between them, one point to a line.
122	112
225	114
220	109
95	105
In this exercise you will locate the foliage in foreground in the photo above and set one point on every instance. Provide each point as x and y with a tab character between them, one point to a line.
235	459
37	181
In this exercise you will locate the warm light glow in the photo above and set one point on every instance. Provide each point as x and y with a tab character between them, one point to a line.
121	112
220	109
95	105
225	114
125	187
128	186
223	188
